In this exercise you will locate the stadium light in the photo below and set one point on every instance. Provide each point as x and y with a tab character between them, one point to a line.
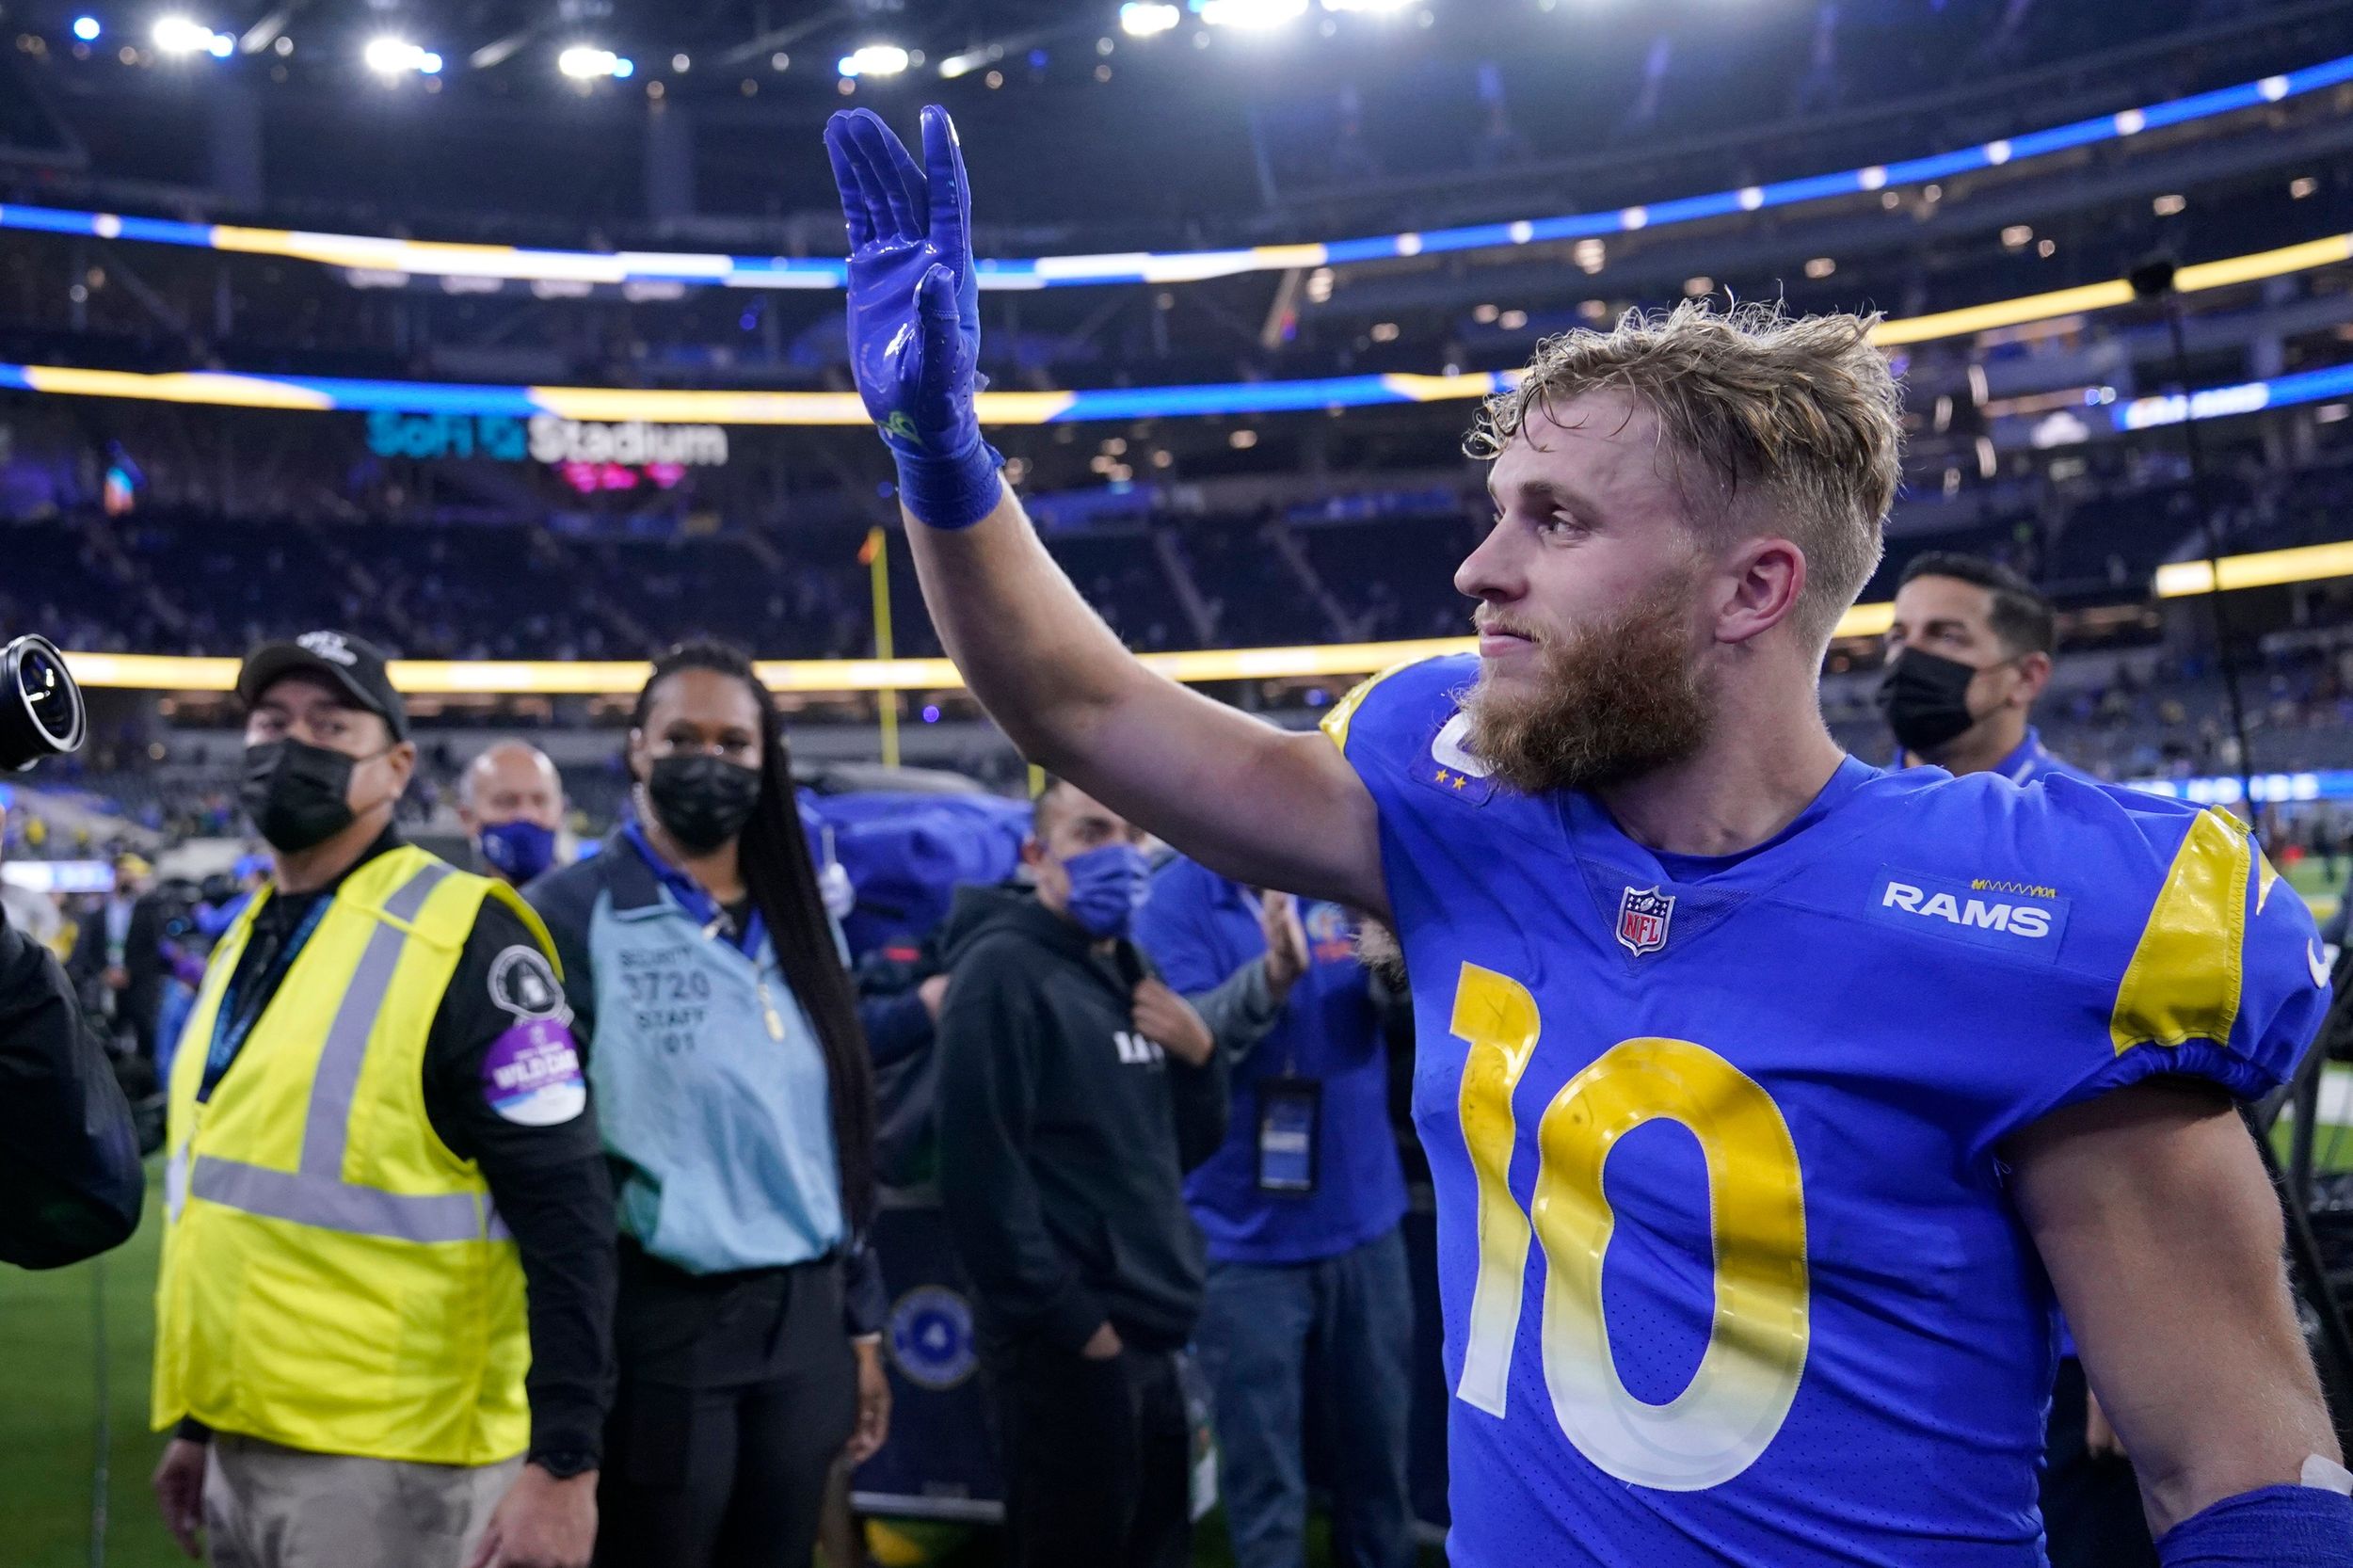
1249	13
1375	6
584	63
177	35
86	28
876	60
1144	18
393	56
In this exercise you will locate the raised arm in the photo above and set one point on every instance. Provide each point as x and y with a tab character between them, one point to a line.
1265	805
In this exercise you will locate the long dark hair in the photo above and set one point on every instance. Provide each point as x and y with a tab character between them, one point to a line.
783	885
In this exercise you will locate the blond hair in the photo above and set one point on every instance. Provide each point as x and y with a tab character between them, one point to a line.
1801	410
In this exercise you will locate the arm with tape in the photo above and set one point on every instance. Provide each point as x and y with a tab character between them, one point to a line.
2163	1237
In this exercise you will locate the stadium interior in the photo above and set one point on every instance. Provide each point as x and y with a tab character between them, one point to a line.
509	336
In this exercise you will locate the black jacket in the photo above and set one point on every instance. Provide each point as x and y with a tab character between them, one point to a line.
70	1184
142	963
1064	1138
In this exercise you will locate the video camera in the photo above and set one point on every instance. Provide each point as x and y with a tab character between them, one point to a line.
40	706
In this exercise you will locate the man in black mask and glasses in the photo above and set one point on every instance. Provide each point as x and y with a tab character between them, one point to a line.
1968	654
386	1196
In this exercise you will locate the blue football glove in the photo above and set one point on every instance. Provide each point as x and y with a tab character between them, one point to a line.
915	312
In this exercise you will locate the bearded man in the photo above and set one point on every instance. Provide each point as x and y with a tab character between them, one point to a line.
1770	1099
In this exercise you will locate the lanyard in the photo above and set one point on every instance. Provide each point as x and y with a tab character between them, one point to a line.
701	906
229	1028
705	911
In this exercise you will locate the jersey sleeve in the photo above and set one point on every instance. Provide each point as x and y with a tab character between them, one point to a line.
2216	968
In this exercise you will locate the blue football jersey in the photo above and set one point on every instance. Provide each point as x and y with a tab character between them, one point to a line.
1728	1268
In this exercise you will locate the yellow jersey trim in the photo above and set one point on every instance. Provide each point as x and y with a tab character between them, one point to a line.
1336	723
2184	978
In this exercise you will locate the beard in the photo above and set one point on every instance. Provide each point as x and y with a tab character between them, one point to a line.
1610	702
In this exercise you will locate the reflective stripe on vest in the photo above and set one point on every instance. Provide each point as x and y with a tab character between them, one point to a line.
316	1194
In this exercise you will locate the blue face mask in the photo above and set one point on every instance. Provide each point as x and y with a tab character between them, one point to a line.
518	850
1105	884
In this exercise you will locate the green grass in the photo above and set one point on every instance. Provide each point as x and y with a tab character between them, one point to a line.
49	1424
51	1326
2308	877
49	1420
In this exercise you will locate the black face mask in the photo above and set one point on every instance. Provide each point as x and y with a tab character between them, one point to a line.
1925	699
298	794
703	801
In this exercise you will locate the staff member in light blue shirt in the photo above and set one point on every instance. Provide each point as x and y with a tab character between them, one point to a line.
1307	1296
732	1082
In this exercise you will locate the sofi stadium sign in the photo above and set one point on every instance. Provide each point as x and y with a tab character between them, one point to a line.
590	455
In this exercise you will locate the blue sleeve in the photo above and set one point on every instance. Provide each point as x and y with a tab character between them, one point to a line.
897	1028
2224	978
1173	927
2270	1527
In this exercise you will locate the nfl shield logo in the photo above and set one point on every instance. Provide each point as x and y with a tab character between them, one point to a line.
1643	916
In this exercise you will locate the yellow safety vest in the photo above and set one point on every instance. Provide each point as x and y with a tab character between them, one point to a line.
335	1278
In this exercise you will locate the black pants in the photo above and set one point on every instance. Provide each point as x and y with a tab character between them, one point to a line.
2090	1507
1098	1459
737	1393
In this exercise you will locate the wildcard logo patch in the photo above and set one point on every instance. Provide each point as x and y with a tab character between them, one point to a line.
2022	919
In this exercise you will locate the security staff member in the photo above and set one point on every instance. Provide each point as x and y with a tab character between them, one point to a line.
725	1043
511	802
1969	652
388	1257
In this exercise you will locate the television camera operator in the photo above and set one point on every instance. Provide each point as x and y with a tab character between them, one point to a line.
70	1184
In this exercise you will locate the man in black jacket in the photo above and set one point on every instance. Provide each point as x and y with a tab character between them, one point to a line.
1075	1090
118	954
70	1184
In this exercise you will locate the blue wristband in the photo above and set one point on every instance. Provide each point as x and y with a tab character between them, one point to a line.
950	493
2276	1526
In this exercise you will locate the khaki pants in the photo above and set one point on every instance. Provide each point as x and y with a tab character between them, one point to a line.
272	1507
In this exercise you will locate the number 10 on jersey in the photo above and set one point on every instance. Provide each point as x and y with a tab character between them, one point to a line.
1748	1377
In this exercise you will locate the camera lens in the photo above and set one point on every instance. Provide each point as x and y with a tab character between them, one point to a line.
40	708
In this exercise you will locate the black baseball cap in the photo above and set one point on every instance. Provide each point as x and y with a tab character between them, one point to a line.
352	664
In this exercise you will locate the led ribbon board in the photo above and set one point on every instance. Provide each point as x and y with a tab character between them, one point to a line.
429	258
594	406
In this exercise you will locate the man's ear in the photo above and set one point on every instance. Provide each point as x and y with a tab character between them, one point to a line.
1033	853
2034	678
402	759
1763	579
633	755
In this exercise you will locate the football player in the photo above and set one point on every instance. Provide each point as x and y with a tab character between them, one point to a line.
1770	1099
